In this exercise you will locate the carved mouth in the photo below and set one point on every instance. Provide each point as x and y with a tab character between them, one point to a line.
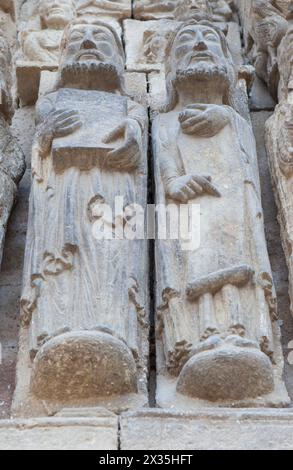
201	56
89	55
56	11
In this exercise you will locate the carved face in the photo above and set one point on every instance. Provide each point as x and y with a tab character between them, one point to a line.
198	6
57	13
197	45
92	49
94	43
192	9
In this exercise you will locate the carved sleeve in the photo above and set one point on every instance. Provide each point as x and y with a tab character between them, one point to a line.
138	113
170	165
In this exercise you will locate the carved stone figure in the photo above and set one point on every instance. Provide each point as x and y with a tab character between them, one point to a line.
43	46
216	308
11	157
218	10
279	138
84	307
40	44
114	9
268	28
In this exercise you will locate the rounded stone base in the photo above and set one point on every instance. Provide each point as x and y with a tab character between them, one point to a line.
227	373
83	365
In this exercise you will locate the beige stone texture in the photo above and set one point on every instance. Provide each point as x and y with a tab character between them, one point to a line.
216	10
70	430
146	43
207	430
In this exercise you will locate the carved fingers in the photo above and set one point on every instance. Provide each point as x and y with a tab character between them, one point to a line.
203	120
189	187
126	156
65	122
58	123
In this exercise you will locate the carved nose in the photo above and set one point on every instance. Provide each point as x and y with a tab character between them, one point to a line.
88	44
199	45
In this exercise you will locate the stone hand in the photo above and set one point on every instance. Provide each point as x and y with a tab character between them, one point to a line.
127	155
187	187
58	123
203	120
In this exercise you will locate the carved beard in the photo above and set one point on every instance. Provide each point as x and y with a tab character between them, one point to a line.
91	75
203	72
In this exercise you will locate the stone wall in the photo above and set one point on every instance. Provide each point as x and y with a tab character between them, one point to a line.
116	105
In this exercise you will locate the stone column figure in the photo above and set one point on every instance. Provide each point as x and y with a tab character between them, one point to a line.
217	335
279	144
12	163
83	304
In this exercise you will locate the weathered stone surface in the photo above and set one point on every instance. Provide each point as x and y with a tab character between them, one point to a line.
12	164
146	43
265	24
40	41
276	253
70	430
216	10
279	143
89	147
207	290
207	430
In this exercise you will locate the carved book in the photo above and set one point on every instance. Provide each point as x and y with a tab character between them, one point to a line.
85	148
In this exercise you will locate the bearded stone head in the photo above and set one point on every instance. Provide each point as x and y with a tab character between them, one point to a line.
92	57
5	78
198	53
56	14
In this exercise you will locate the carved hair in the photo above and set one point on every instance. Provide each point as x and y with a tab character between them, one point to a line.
172	95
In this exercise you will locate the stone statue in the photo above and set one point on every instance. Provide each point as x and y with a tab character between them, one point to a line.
83	305
12	164
43	46
216	305
279	139
268	28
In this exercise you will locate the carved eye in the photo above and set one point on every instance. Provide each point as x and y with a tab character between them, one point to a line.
185	37
100	36
210	36
75	36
